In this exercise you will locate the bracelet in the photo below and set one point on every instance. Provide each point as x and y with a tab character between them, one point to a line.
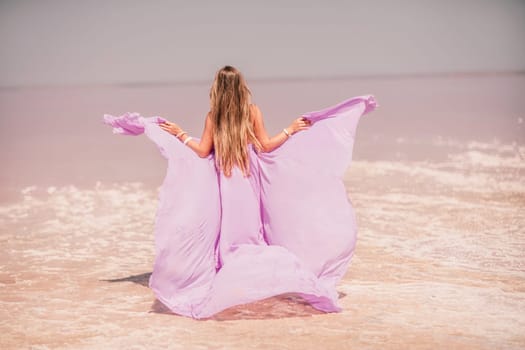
180	134
286	132
187	140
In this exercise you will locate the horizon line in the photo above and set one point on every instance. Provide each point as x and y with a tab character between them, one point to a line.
291	79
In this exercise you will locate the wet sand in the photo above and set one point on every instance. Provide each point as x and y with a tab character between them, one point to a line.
439	263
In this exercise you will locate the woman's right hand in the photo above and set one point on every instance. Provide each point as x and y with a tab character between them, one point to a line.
299	124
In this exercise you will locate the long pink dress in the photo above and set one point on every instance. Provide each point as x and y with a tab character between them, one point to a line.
287	228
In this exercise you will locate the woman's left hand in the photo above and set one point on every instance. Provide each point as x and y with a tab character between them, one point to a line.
170	127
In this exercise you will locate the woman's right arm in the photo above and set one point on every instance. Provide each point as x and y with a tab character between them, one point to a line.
270	143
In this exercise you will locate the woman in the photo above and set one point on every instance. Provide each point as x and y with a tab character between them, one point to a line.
243	216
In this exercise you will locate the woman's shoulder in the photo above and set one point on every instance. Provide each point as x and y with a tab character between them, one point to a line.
254	110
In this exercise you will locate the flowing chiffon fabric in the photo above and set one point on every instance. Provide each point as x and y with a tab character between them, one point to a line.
287	228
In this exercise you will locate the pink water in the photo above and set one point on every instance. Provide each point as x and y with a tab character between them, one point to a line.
437	182
54	136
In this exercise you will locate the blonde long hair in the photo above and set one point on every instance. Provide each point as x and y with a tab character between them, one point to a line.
232	126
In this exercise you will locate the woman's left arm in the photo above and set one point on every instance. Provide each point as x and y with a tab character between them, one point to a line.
202	148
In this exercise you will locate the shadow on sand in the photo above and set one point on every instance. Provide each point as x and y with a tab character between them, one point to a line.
142	279
281	306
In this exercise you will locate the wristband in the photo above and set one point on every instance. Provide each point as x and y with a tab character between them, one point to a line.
180	134
187	140
286	132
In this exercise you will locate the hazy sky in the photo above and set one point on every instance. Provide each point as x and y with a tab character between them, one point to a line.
62	42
